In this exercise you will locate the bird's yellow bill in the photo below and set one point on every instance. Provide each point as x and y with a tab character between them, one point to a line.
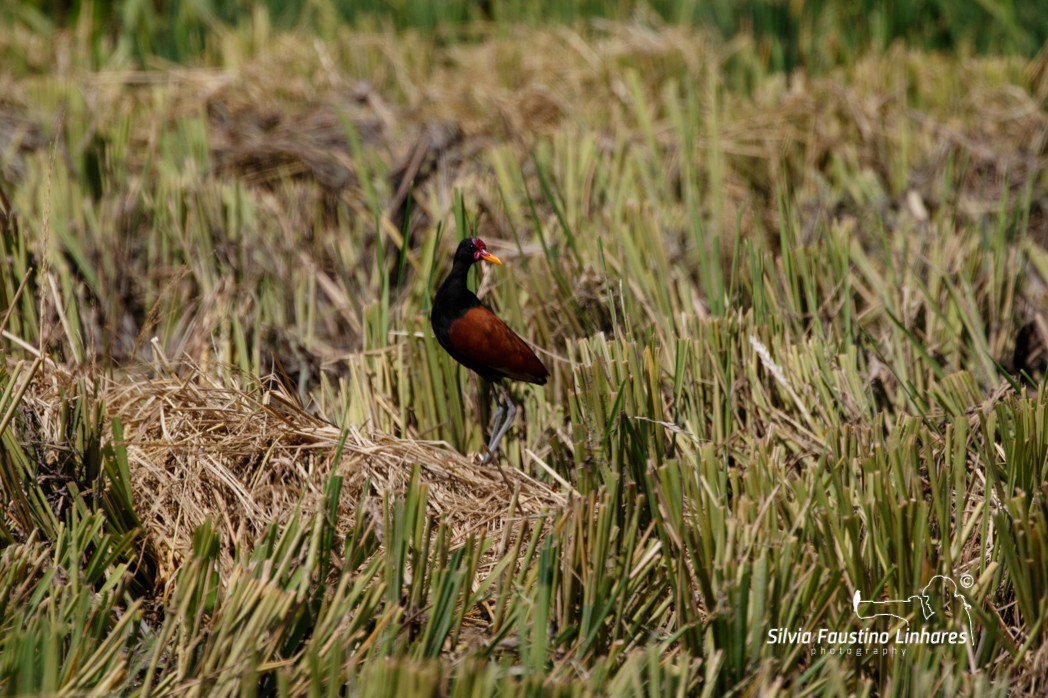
488	257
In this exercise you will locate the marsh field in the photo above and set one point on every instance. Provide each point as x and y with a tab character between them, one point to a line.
787	264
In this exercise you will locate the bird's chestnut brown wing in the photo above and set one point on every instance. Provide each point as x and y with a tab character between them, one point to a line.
480	339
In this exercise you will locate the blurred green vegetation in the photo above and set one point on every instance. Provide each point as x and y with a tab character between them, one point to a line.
814	35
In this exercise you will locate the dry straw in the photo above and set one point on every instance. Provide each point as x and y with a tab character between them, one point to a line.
250	455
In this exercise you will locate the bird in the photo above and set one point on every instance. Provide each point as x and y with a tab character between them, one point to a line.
479	340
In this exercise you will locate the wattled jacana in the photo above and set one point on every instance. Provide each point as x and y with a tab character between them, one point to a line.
479	340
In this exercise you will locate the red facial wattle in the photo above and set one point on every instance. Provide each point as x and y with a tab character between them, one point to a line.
481	252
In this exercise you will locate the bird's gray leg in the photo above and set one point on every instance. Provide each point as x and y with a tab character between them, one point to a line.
496	424
511	412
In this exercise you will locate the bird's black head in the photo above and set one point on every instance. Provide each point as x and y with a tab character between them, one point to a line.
473	250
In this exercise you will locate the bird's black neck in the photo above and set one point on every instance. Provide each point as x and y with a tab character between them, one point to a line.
453	298
459	270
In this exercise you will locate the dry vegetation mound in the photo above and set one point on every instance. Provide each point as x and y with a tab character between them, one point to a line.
249	456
